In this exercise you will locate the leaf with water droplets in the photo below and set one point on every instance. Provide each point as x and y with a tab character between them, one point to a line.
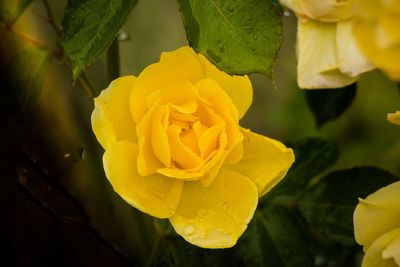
275	237
313	156
89	28
328	206
238	36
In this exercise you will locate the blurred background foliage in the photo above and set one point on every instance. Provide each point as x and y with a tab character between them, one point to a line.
57	205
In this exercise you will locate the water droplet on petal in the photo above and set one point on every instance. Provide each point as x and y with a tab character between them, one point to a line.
189	230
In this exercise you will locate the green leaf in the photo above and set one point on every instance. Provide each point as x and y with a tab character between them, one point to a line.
275	238
313	156
328	206
90	26
238	36
11	10
329	104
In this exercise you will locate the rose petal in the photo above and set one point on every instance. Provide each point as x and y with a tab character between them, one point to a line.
215	216
373	256
155	194
394	117
385	59
393	249
326	10
265	161
351	61
238	88
377	214
317	65
111	117
176	66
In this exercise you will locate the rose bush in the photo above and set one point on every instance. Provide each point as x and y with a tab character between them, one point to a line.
174	148
377	33
377	227
327	52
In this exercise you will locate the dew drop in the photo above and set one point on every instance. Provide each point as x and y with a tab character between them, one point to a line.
189	230
286	13
123	36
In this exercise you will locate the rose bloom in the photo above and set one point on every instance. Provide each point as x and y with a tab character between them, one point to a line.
377	227
174	148
377	31
327	52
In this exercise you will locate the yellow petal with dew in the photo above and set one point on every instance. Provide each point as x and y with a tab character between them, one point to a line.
215	216
155	194
111	117
265	161
174	67
374	255
377	214
318	65
238	88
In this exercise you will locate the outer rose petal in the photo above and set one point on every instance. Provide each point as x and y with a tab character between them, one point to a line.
215	216
384	58
265	161
176	66
394	117
155	194
393	249
111	117
318	65
351	61
326	10
375	255
238	88
377	214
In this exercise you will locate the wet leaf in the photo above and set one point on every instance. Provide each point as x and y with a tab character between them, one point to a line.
275	238
313	156
90	26
330	104
239	37
328	206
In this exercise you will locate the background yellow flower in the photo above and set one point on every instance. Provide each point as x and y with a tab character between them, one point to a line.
327	54
378	35
377	227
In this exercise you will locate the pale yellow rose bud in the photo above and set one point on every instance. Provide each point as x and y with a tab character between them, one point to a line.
394	117
377	227
377	31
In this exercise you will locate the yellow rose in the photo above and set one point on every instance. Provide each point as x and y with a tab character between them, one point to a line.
378	35
174	148
394	117
327	53
377	227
